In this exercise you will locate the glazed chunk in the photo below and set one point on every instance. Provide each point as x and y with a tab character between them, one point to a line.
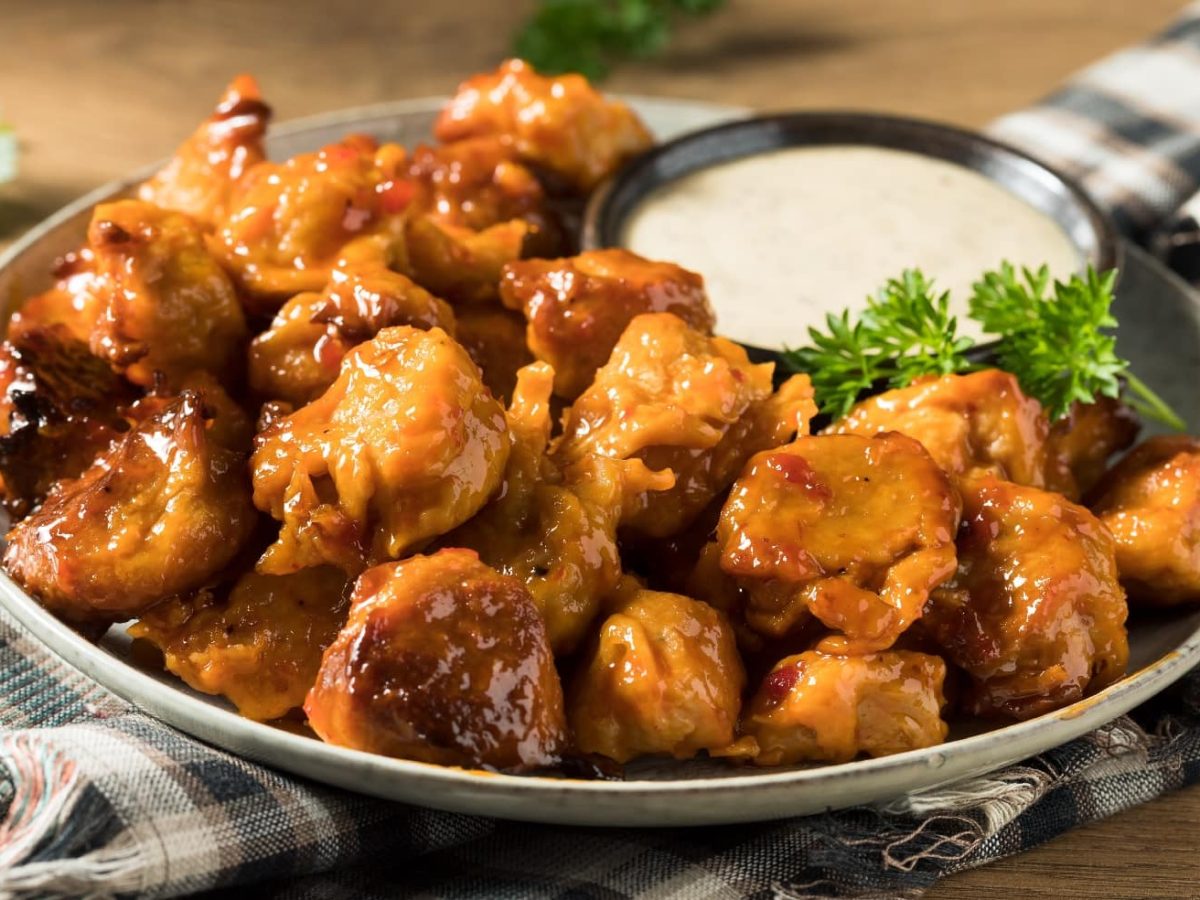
970	424
476	184
1035	614
203	175
405	445
260	646
814	707
1151	503
167	306
856	531
556	530
73	302
663	678
299	356
560	124
577	308
1088	436
291	222
443	660
461	264
60	408
681	401
161	513
495	338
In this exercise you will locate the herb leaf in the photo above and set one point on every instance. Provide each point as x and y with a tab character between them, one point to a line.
905	332
587	36
1057	338
1061	344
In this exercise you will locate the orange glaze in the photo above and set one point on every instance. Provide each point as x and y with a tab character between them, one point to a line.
291	222
562	124
854	530
167	308
160	513
60	407
662	678
1034	614
554	528
72	302
404	446
681	401
443	660
204	174
970	424
1151	503
577	308
260	645
299	356
814	707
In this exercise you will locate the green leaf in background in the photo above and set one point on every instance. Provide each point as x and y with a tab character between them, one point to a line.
8	153
588	36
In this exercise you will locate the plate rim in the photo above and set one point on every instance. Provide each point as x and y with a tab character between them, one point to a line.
766	794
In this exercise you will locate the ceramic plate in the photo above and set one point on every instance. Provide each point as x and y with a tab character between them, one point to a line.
1161	334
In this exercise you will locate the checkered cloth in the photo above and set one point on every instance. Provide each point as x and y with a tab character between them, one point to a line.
103	800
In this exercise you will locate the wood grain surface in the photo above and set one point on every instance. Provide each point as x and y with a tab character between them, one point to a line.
98	89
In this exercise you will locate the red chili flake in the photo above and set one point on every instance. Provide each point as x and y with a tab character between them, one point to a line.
779	683
796	470
394	196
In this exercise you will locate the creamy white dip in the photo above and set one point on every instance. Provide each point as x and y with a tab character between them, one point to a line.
782	238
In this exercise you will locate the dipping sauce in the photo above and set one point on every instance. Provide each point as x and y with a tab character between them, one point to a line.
782	238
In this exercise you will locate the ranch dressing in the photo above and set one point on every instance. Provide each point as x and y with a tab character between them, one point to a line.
783	238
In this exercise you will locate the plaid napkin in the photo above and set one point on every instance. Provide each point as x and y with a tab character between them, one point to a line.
99	799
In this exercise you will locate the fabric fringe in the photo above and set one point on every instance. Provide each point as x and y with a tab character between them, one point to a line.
51	820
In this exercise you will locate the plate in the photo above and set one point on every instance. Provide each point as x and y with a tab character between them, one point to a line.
1161	335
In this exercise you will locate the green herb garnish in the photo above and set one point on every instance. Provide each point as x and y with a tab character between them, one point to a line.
587	36
905	332
1056	338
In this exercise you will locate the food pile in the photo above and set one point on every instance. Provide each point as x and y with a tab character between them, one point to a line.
358	439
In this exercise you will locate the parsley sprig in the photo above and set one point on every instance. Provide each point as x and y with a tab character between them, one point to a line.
906	331
1056	337
587	36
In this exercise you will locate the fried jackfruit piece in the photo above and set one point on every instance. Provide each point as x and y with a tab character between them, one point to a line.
662	678
814	707
495	338
1150	501
1088	435
167	306
160	513
443	660
260	644
203	175
298	357
561	124
555	530
856	531
405	445
60	408
479	183
970	424
462	265
577	308
680	401
292	222
72	302
1034	614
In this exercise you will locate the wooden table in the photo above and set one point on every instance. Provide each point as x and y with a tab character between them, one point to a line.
97	89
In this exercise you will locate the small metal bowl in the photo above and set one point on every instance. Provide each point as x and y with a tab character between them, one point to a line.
1053	194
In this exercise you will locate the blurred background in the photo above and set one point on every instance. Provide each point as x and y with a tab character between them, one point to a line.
94	90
